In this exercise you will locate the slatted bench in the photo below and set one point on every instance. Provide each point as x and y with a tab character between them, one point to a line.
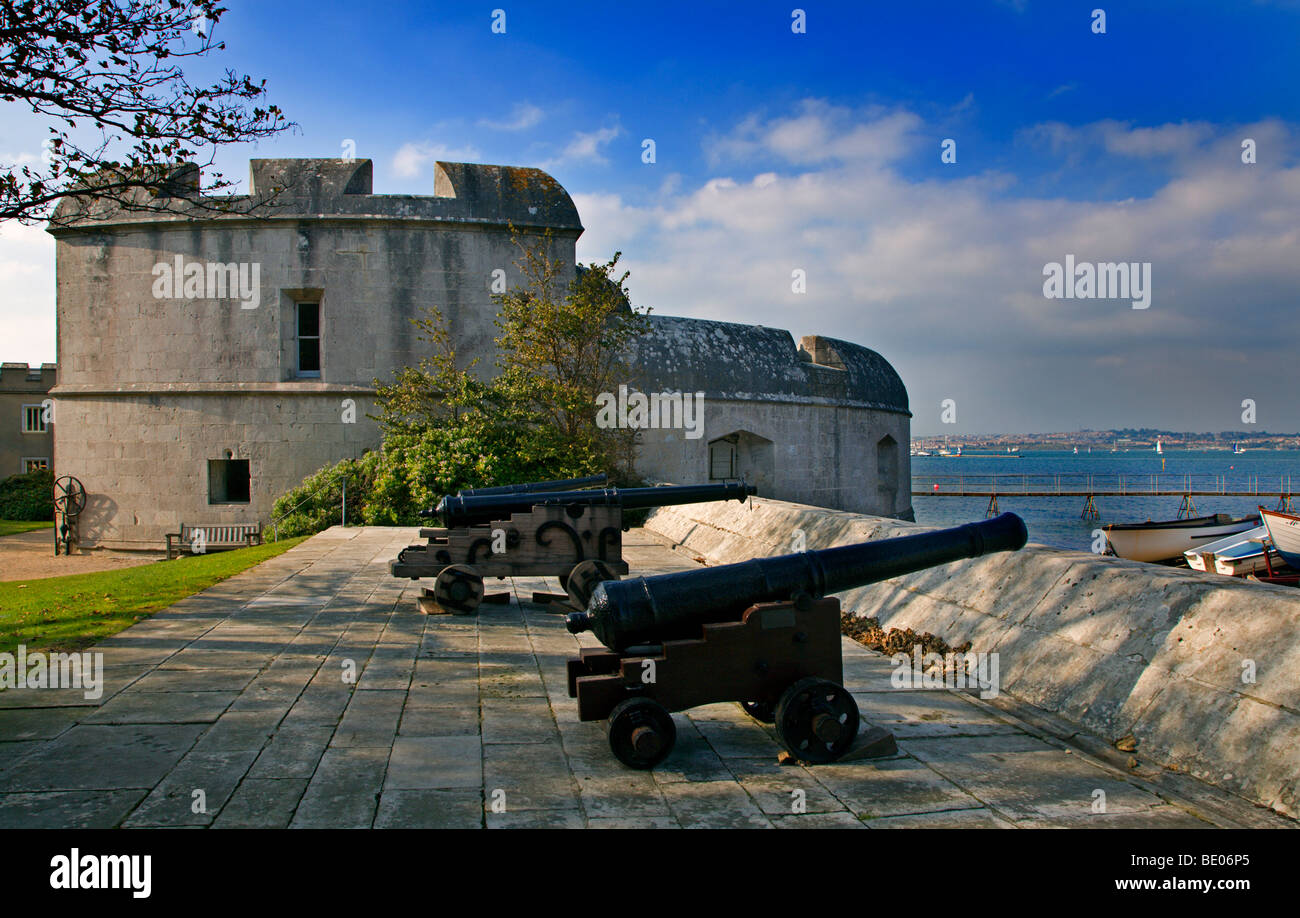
221	537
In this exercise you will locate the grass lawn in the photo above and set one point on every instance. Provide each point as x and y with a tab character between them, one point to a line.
69	613
13	527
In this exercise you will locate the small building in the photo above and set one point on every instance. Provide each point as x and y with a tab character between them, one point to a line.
26	418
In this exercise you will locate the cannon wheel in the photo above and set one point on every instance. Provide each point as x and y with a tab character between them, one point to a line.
816	720
641	732
69	496
458	589
582	580
762	711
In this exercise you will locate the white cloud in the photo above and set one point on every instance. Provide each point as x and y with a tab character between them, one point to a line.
522	117
584	147
819	133
410	160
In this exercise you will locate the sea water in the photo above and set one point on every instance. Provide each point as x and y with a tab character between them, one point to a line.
1057	521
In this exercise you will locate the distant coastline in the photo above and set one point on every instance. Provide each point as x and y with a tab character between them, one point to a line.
1110	440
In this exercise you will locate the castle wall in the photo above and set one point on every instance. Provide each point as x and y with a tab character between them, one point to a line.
823	455
144	457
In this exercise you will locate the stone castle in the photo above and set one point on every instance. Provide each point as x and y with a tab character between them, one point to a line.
209	358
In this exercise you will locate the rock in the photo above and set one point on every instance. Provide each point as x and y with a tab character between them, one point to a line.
1126	743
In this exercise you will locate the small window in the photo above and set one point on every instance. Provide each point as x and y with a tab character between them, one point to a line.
33	419
32	465
229	481
308	328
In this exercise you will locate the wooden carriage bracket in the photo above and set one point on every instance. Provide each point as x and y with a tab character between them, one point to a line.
753	660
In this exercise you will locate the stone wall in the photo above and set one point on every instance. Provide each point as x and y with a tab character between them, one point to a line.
1117	647
144	457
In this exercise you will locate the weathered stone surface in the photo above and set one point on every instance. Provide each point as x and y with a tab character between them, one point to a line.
104	757
67	809
430	809
435	762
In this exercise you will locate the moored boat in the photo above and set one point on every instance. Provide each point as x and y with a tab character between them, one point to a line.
1167	540
1201	558
1284	530
1245	558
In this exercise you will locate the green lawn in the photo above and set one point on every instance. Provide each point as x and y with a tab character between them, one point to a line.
69	613
13	527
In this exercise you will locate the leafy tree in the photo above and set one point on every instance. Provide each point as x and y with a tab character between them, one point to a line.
108	70
562	347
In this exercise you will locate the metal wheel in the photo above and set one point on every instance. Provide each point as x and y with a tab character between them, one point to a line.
641	732
69	496
816	720
583	578
458	589
762	711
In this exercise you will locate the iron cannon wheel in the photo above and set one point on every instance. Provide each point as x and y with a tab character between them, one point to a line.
69	496
761	711
583	578
458	589
641	732
816	720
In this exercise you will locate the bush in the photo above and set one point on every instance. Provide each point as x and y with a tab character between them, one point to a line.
28	497
317	503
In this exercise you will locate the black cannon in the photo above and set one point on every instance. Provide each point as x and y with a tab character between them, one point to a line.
529	487
471	509
575	535
759	632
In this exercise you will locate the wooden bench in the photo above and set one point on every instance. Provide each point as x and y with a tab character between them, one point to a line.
219	537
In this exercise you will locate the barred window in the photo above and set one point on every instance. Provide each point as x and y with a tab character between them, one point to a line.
33	419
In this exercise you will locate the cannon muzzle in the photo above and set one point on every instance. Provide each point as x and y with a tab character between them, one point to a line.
467	510
649	610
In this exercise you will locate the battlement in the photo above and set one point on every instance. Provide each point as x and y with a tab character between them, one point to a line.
20	377
323	189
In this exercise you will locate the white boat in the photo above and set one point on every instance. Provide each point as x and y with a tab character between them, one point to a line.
1165	541
1246	558
1159	450
1201	558
1284	531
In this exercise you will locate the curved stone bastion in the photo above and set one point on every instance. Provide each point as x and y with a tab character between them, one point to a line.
1117	648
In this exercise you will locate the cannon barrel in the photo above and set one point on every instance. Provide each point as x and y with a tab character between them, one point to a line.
649	610
471	509
530	487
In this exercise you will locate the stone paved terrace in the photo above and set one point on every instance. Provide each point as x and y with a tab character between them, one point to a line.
238	692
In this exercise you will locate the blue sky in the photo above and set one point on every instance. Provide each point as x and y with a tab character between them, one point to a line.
778	151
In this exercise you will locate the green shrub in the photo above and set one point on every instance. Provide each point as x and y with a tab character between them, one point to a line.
28	497
317	503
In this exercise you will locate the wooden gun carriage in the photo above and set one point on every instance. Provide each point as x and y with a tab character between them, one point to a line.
759	633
